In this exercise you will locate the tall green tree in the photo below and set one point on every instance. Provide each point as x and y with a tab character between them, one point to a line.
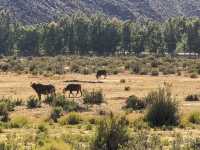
5	33
53	39
29	43
126	36
170	36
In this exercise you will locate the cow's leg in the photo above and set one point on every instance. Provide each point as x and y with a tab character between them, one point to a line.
70	93
39	96
77	92
81	93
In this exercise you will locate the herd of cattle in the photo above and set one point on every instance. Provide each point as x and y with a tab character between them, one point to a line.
42	89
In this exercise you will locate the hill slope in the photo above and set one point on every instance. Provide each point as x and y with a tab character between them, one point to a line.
36	11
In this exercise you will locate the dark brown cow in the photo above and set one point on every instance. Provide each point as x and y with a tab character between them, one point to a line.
71	88
42	89
101	73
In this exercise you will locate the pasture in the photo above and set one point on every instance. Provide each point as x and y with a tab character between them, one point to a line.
26	125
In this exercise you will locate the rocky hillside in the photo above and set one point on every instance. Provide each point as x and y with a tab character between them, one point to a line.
36	11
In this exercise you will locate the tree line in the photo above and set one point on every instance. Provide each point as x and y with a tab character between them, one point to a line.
100	35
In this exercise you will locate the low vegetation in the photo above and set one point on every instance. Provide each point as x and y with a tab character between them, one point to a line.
33	102
193	97
135	103
112	133
195	118
93	97
61	101
163	109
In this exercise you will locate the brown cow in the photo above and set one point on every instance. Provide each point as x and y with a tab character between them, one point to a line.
42	89
71	88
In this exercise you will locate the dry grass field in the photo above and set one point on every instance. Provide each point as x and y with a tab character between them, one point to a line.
18	86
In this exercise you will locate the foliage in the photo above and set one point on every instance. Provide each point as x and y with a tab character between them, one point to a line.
127	88
97	34
195	118
72	118
56	113
133	102
33	102
193	97
164	109
94	97
4	115
19	122
112	132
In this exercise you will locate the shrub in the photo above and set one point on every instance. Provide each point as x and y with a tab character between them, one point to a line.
68	106
133	102
136	68
140	124
94	97
192	98
155	72
122	81
5	67
73	118
33	102
193	76
19	122
142	140
144	71
154	64
42	128
164	109
111	134
56	113
49	100
18	102
4	115
195	118
179	73
9	103
127	88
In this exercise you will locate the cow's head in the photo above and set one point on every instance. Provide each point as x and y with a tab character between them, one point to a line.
32	84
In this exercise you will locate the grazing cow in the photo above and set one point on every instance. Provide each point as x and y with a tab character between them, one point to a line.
101	73
71	88
42	89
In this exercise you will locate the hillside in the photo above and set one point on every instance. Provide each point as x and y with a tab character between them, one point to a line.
36	11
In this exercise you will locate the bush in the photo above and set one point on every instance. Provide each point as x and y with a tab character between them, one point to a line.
18	102
144	71
9	103
19	122
5	67
136	68
42	128
195	118
94	97
33	102
155	72
111	134
133	102
68	106
122	81
56	113
127	88
72	118
193	76
4	115
164	109
49	100
192	98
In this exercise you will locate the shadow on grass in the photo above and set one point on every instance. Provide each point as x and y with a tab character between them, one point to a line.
78	81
